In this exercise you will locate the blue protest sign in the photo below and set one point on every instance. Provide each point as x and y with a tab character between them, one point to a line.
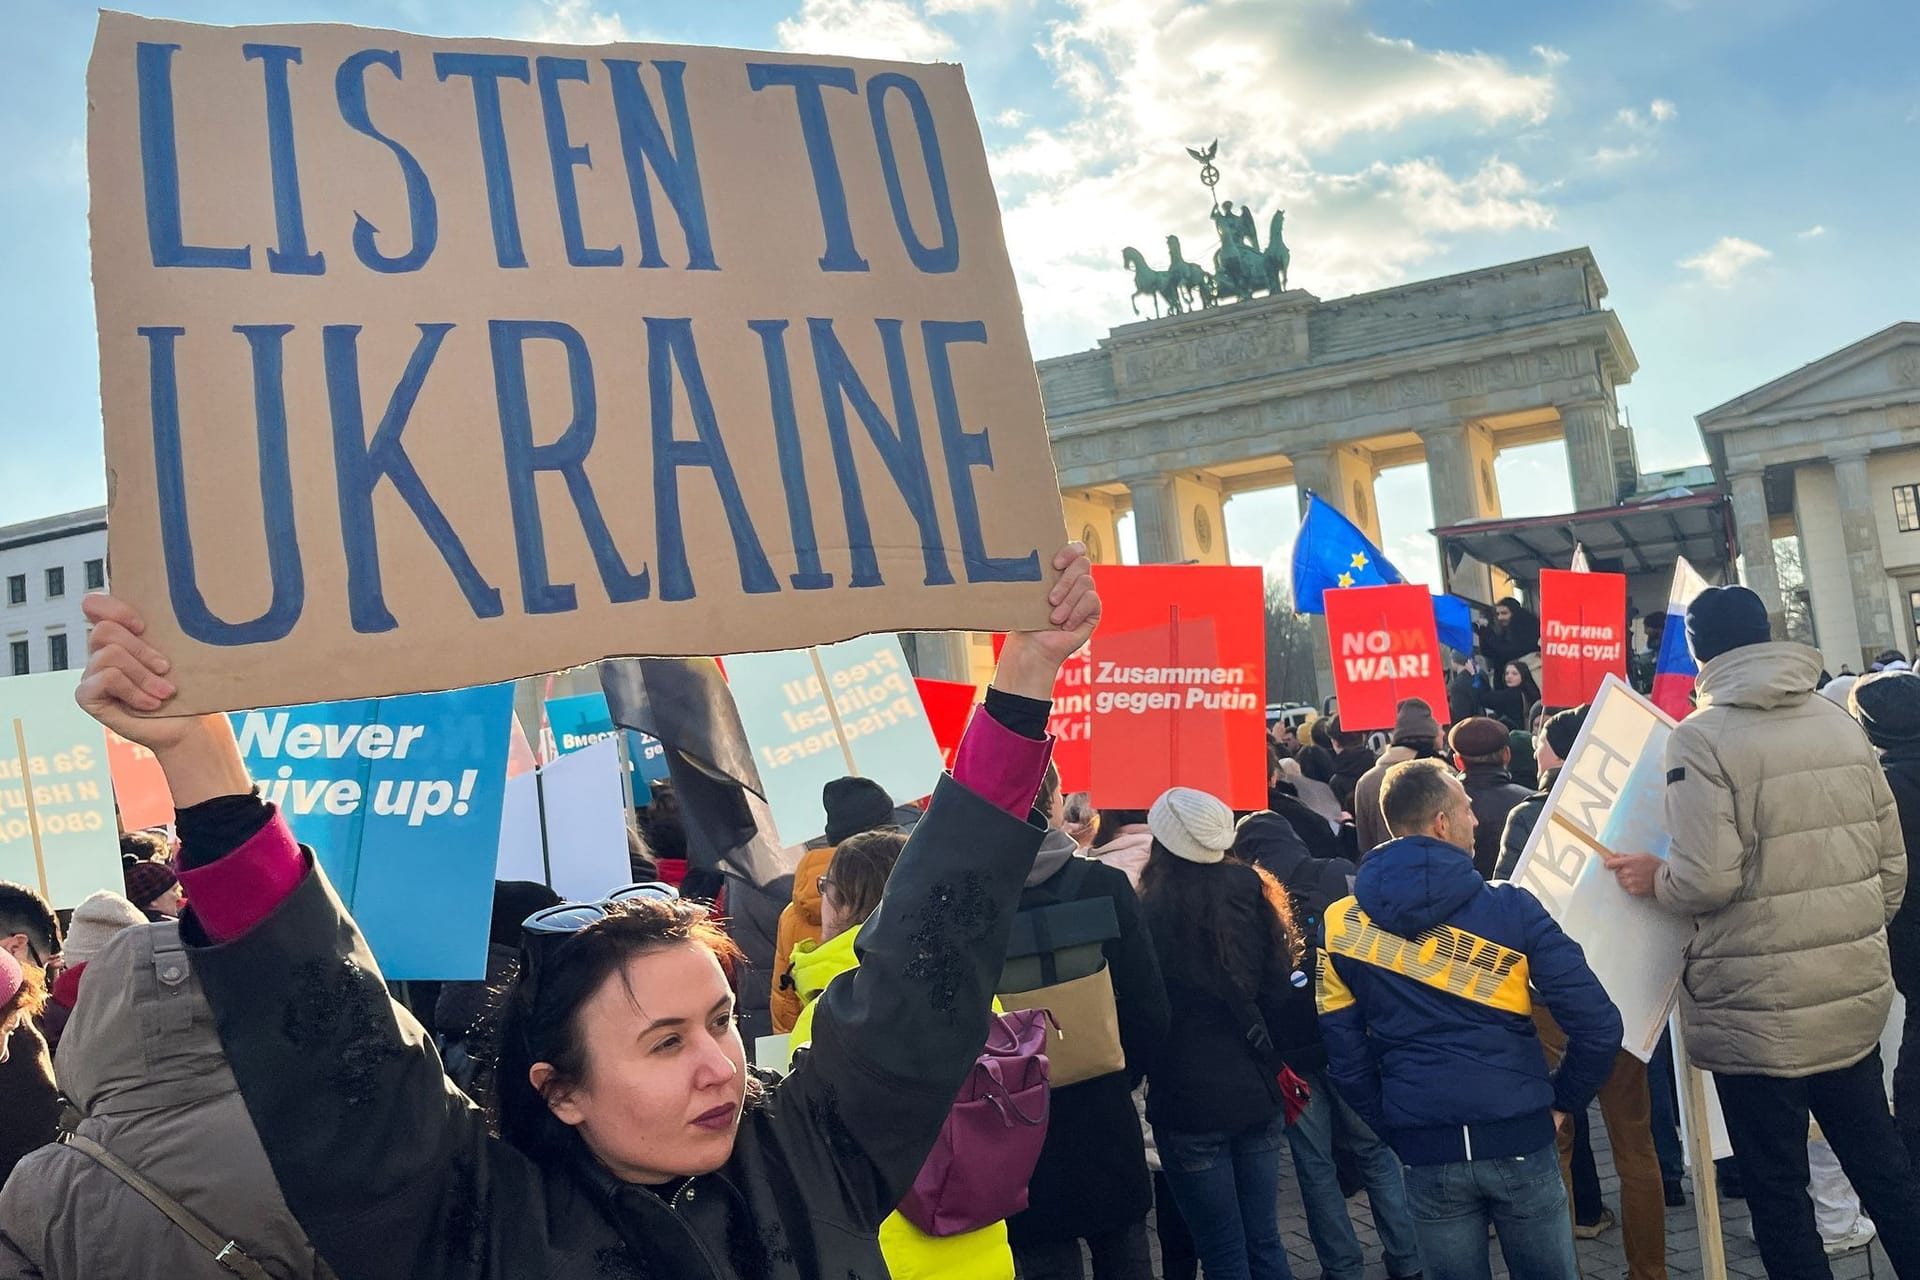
581	721
400	800
57	832
813	715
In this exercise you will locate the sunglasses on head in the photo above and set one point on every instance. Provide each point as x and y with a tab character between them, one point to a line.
548	927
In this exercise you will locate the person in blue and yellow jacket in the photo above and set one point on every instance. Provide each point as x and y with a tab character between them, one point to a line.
1428	980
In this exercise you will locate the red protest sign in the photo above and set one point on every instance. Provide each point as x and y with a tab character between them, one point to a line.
139	787
1583	634
1384	652
948	704
1071	722
1178	684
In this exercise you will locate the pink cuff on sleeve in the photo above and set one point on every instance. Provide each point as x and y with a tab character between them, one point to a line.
231	895
999	765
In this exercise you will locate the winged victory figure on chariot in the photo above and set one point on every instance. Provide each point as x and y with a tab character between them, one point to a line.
1241	268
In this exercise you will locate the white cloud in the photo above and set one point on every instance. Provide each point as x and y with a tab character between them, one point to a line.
1722	264
578	22
1549	55
969	6
864	29
1658	112
1282	87
1011	118
1662	110
1811	233
1617	155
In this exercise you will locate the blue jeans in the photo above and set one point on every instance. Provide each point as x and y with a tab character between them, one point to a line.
1228	1188
1311	1137
1521	1195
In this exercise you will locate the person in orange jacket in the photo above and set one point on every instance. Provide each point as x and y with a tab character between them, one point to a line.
853	805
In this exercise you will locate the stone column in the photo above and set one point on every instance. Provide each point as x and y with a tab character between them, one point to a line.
1588	430
1866	572
1753	528
1460	473
1343	477
1156	519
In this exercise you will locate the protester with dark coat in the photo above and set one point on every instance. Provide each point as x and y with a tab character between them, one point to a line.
29	1099
144	1066
1887	705
1463	691
1315	828
466	1015
1514	695
1228	952
635	1140
1480	750
1350	764
1555	744
1513	634
1092	1183
1316	753
1416	736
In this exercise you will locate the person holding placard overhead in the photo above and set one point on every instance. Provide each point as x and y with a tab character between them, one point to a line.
1788	854
635	1142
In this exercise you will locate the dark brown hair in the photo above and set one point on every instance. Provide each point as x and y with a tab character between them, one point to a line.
543	1018
1413	793
858	873
32	995
1206	906
1049	790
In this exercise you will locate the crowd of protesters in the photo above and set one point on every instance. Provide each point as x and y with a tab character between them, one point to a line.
205	1075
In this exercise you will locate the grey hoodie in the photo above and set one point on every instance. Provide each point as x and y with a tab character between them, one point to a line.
141	1061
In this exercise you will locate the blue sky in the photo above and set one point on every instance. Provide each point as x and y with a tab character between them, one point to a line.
1744	173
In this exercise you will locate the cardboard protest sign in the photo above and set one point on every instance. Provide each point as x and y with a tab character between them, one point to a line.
949	705
1583	634
57	832
1177	686
139	787
1385	650
818	714
565	825
1611	798
400	800
1071	721
428	362
579	722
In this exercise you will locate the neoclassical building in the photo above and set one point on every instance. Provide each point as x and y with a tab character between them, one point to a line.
1827	459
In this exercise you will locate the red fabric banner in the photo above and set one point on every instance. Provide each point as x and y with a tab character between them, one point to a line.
1385	651
1583	634
1178	684
948	704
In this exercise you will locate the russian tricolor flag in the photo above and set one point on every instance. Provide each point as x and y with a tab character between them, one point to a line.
1674	673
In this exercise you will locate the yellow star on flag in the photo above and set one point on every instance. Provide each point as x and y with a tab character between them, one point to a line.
1346	579
1359	559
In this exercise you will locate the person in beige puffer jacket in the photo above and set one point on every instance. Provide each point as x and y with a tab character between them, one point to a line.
1787	853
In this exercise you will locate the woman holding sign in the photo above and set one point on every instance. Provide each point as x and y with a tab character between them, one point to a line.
637	1143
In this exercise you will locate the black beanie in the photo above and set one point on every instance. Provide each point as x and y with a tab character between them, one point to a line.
854	805
1887	705
1722	619
1562	728
513	902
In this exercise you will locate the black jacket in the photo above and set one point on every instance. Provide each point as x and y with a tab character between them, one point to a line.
391	1171
1903	934
1092	1177
1348	768
1494	794
1521	820
1313	884
29	1102
1310	826
1210	1078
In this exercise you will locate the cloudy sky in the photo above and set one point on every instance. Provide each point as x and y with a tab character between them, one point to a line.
1743	171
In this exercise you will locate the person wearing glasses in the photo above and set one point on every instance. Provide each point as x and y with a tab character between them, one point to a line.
634	1142
29	1099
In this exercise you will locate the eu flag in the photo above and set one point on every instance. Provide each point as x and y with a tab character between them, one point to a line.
1331	552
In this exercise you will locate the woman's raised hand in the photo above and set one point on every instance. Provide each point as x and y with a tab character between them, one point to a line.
126	687
1030	659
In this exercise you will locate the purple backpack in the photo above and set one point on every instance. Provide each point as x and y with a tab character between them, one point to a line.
978	1170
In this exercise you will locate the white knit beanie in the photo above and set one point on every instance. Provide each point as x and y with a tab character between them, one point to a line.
1192	824
95	921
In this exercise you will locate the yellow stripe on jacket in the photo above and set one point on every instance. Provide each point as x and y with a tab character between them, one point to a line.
1443	957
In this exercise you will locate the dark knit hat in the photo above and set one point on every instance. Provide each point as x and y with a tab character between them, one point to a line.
147	881
513	902
1477	737
854	805
1563	727
1887	705
1414	723
1722	619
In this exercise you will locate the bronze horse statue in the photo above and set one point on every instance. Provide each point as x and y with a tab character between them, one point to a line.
1241	267
1147	282
1190	279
